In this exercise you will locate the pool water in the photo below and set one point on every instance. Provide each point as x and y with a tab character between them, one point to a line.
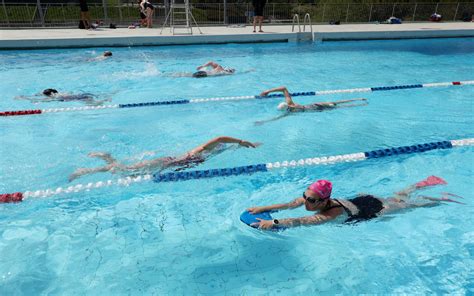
186	237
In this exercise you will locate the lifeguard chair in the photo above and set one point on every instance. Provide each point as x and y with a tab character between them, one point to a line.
180	18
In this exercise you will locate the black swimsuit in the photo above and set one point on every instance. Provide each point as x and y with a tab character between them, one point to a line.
148	5
368	207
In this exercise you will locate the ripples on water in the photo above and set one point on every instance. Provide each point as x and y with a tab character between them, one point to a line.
185	238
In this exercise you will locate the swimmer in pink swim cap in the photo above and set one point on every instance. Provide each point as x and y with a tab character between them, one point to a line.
289	106
317	198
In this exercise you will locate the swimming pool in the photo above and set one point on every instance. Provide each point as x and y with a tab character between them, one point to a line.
186	237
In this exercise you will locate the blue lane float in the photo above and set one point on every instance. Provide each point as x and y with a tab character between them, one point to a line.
408	149
159	103
213	173
396	87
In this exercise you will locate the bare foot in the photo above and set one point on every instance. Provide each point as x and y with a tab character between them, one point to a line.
261	31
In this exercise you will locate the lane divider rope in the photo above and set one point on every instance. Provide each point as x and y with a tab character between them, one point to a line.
241	170
232	98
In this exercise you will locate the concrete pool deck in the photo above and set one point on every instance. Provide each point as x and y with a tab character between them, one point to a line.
62	38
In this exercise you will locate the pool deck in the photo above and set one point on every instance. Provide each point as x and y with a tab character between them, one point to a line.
61	38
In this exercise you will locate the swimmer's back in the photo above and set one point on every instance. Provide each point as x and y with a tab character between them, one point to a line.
78	97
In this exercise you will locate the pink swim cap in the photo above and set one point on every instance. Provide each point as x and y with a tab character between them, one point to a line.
322	188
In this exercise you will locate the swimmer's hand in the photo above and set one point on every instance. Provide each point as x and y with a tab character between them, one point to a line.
263	224
249	144
265	93
256	210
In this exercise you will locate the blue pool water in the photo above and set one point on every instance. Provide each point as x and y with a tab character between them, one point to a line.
186	238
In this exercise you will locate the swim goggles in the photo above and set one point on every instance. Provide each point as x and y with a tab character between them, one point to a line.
311	199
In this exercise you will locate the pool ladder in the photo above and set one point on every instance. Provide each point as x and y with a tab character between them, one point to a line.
307	19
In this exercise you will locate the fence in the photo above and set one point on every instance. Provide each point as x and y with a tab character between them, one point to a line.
66	15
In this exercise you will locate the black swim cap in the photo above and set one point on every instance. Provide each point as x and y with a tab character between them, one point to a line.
49	91
200	74
107	53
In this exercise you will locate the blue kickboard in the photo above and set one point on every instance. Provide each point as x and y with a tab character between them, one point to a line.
248	218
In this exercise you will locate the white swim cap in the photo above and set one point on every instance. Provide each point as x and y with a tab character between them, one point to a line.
282	106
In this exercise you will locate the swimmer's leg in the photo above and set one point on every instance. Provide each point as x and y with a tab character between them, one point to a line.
104	156
87	171
352	105
100	102
396	204
92	102
348	101
343	103
391	205
430	181
444	198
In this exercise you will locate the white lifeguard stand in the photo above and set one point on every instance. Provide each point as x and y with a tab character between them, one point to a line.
180	18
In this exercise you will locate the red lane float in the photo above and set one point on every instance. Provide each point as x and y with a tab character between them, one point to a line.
21	112
11	197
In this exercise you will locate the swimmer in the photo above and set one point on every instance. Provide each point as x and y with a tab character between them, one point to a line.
317	198
290	107
105	55
215	70
52	95
190	159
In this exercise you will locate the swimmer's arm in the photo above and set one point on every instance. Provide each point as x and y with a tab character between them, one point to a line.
216	141
284	206
260	122
31	99
211	63
293	222
285	92
305	221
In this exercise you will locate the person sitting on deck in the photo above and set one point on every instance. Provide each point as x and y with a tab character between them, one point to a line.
289	106
317	198
189	159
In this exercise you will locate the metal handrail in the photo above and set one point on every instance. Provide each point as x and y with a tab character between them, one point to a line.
297	18
308	18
